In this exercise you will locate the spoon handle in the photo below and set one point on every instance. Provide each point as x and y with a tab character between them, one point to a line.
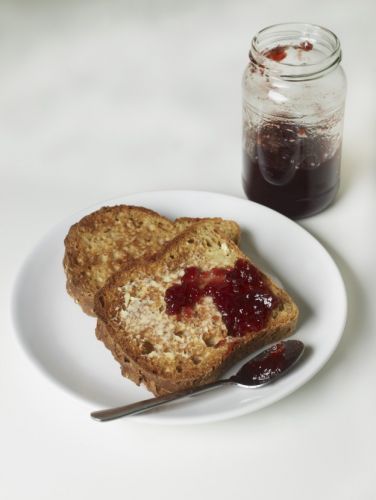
148	404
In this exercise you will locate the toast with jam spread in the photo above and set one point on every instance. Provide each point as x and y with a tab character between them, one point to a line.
110	238
183	316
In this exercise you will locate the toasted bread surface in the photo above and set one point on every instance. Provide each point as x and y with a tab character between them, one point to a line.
167	352
228	228
104	241
113	237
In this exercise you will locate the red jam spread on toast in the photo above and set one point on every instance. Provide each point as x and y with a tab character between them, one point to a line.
240	294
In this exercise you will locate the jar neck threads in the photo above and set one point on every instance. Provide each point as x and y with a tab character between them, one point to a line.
295	51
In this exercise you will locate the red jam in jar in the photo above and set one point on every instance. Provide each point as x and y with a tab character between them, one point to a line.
291	169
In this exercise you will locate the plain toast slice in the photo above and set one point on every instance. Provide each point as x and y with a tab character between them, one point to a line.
110	238
172	352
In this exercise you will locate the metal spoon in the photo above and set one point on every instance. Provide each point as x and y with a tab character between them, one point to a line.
260	370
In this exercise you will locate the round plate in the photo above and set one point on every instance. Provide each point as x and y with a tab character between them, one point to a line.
60	337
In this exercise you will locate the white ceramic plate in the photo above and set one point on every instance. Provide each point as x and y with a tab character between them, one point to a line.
61	339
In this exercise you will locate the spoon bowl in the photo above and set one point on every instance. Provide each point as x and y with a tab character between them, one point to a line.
269	364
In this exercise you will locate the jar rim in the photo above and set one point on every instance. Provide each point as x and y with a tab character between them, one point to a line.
313	34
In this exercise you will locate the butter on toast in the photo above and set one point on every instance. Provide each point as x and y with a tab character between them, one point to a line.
172	352
110	238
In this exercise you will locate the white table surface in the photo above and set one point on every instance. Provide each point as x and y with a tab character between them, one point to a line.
101	99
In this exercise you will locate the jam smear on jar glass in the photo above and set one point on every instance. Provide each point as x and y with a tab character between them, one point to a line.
240	294
279	53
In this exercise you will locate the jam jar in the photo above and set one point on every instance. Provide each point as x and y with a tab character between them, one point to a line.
293	105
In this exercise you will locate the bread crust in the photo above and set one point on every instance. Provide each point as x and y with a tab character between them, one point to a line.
168	367
111	238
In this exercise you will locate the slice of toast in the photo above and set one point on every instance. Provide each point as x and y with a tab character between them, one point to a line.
169	352
108	239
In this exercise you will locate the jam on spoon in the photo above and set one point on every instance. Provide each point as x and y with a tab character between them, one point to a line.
270	364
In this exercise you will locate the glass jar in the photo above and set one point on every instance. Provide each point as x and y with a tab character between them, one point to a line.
293	104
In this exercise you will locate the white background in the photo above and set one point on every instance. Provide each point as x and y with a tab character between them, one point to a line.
102	99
